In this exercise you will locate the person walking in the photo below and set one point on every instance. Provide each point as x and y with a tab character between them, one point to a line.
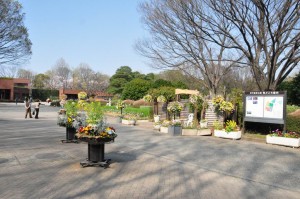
37	108
16	101
27	108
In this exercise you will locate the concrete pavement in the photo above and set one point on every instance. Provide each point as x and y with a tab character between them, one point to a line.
145	164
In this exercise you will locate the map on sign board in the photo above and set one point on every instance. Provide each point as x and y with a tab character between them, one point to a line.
263	106
273	107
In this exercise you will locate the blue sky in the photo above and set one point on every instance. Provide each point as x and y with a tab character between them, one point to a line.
100	33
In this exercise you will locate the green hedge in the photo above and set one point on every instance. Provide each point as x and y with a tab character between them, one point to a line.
43	94
144	112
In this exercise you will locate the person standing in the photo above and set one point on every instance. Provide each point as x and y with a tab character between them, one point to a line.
27	108
16	101
37	109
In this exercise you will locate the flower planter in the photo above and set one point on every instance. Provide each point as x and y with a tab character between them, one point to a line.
204	132
128	122
70	135
96	156
156	118
292	142
175	130
231	135
164	129
189	132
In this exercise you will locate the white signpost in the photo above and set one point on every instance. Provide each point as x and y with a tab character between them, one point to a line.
265	107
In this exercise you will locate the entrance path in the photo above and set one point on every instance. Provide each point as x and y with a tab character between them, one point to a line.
145	164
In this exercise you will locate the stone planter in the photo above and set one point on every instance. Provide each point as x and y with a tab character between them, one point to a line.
128	122
292	142
204	132
164	129
175	130
189	132
231	135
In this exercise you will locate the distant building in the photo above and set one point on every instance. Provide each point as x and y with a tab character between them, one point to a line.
12	88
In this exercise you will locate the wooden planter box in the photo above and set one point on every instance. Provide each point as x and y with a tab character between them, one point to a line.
292	142
230	135
189	132
204	132
128	122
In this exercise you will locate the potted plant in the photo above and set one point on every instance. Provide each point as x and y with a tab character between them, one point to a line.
174	108
164	128
222	107
231	130
67	120
96	132
175	128
288	138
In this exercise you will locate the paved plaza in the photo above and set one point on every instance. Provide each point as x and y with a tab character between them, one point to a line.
34	163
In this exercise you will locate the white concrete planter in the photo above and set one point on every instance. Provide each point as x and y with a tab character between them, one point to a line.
164	129
157	127
203	124
204	132
128	122
292	142
189	132
231	135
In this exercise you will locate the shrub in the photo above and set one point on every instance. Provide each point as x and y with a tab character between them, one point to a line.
218	125
128	102
293	123
55	103
141	102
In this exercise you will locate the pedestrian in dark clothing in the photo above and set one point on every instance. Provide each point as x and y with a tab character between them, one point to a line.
16	101
27	108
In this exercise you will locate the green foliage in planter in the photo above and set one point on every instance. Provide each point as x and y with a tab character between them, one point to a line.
293	123
218	125
230	126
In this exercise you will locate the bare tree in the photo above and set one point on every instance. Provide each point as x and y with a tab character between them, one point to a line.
89	81
266	32
15	46
27	74
99	82
53	82
82	77
177	41
8	71
62	72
